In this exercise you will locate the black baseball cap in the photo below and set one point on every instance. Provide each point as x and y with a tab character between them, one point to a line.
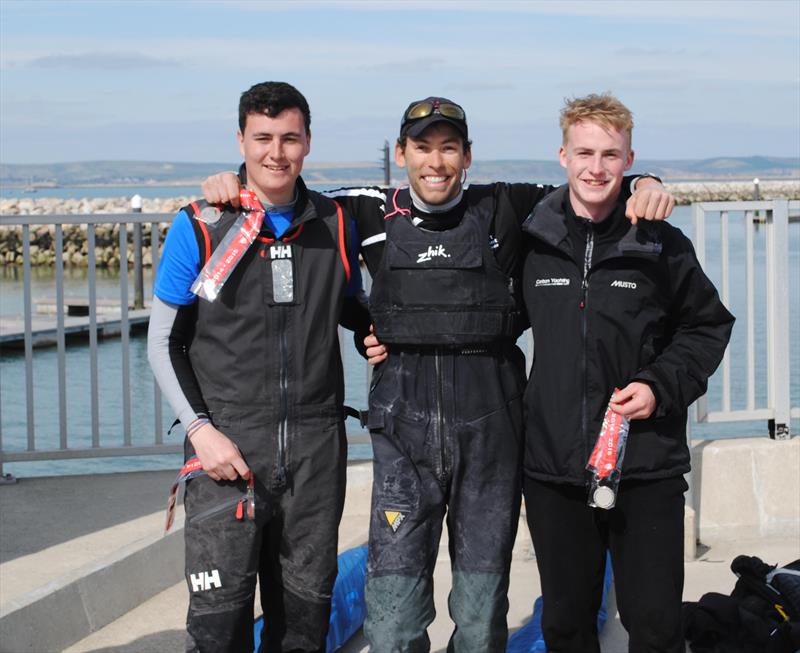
421	114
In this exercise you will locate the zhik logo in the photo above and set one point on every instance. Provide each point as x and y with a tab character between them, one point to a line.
205	580
432	252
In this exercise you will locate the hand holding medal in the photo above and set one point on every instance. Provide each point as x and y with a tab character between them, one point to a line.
605	462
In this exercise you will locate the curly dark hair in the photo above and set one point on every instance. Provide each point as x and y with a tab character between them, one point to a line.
270	99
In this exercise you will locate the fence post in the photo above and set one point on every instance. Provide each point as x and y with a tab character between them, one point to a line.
138	274
699	240
778	359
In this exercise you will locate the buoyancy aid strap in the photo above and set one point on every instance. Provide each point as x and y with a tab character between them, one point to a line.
343	241
360	415
206	242
397	209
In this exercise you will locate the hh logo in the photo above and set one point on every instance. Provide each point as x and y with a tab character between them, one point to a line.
205	580
432	252
617	283
280	251
394	518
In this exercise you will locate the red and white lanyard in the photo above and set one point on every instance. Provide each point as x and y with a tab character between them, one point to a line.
233	246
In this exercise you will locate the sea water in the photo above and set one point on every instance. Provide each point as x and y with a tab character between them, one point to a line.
142	388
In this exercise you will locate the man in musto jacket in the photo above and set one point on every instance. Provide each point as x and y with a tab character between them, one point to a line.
252	369
446	405
612	305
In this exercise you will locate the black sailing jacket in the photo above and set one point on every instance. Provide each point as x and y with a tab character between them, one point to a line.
638	307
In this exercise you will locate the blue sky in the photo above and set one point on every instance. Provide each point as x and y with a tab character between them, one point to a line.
161	80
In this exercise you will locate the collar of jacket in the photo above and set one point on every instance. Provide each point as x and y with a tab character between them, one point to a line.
303	209
547	223
441	221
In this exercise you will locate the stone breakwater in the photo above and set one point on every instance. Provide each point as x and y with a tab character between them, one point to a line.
732	191
107	251
76	246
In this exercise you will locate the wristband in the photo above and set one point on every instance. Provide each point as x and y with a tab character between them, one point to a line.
195	426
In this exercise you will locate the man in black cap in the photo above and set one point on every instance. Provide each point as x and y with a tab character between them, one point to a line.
446	404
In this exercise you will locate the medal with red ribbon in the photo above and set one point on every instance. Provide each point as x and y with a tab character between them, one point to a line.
605	461
232	247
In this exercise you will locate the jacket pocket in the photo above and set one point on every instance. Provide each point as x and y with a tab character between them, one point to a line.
214	510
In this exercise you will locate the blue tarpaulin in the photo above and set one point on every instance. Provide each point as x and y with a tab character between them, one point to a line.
347	604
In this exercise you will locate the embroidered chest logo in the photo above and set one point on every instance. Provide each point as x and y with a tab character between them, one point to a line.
551	281
394	518
205	580
432	252
617	283
280	251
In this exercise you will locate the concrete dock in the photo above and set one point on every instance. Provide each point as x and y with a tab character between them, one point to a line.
84	566
44	330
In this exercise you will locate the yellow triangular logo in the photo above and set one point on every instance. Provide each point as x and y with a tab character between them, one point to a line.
394	518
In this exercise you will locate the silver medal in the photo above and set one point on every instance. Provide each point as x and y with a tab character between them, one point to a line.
209	214
604	497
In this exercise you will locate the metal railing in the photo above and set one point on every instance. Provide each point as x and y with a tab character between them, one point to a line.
772	216
772	265
129	224
64	450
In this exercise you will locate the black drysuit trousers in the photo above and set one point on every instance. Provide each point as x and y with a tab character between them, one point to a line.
446	429
290	547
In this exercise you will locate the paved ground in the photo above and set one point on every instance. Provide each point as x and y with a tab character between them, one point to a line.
53	527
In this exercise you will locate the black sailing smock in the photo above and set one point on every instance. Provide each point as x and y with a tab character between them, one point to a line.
446	425
266	358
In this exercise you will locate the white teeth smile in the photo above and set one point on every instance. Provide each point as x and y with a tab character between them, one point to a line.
435	180
594	182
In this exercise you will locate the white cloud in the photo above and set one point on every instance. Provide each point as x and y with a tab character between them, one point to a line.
100	61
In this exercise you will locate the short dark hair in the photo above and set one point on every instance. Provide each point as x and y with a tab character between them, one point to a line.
270	99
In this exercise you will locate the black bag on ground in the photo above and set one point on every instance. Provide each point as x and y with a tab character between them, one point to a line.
762	614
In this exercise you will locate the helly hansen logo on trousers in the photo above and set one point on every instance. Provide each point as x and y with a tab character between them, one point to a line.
205	580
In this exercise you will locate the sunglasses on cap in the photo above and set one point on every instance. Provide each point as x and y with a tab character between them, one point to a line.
426	108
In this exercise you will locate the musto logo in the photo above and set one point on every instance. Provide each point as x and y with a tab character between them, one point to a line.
617	283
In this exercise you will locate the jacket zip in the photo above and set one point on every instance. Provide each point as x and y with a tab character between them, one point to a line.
440	416
587	264
283	381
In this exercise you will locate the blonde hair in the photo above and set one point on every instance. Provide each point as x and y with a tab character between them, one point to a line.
604	109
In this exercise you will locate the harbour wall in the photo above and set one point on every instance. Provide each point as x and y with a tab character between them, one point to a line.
107	236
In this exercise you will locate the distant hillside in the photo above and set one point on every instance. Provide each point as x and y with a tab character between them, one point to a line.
162	173
122	173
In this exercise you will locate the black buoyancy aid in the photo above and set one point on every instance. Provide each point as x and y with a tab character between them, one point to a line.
268	347
441	288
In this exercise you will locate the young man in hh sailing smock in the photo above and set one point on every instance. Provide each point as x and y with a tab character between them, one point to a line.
445	407
253	371
631	309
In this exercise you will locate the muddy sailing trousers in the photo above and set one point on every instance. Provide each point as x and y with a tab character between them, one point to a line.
643	532
290	547
446	434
